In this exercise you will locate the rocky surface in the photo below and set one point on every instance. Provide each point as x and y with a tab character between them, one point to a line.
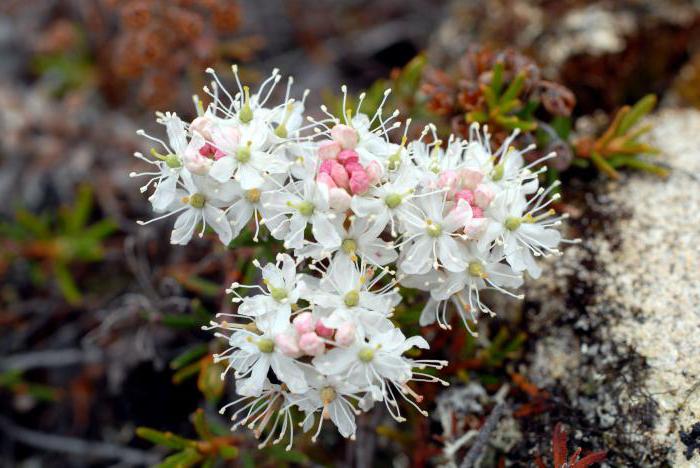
618	317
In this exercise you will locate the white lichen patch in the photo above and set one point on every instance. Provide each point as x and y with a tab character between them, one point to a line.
618	318
655	275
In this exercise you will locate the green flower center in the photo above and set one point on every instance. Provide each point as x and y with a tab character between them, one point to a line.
352	298
497	173
366	354
349	246
306	208
266	345
393	200
512	223
278	294
476	268
433	229
197	201
173	161
243	154
246	114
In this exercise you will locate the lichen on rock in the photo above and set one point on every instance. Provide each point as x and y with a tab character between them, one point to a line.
619	326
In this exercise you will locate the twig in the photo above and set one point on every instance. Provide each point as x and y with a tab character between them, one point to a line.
49	358
74	446
483	437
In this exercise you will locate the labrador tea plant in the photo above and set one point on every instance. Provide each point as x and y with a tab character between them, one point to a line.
358	215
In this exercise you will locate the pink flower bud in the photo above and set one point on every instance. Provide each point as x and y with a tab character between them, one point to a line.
323	330
207	150
202	125
339	199
328	149
326	166
347	156
339	174
326	180
359	182
345	334
311	344
287	344
374	172
477	212
345	135
466	195
352	166
304	323
483	196
471	177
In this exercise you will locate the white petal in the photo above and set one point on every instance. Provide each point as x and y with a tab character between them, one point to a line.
324	231
342	417
216	218
253	385
184	227
164	193
289	372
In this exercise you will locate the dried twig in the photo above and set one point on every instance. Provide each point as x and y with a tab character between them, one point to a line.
482	439
49	358
75	446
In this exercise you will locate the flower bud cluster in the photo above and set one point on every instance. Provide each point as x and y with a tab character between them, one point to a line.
358	215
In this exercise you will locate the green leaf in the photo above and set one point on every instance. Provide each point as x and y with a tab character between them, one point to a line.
513	89
561	125
76	217
604	166
186	372
200	425
228	452
182	321
279	453
247	461
636	113
210	382
42	392
166	439
36	225
66	284
497	79
185	459
189	355
100	229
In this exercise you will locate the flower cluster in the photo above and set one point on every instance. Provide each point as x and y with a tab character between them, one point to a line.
358	215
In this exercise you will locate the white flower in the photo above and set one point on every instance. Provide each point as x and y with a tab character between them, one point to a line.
169	166
462	289
390	201
249	206
246	156
252	355
360	241
378	365
305	203
282	289
269	411
333	397
199	202
430	237
345	294
514	222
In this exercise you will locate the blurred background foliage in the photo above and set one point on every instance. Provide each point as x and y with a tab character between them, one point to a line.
102	359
